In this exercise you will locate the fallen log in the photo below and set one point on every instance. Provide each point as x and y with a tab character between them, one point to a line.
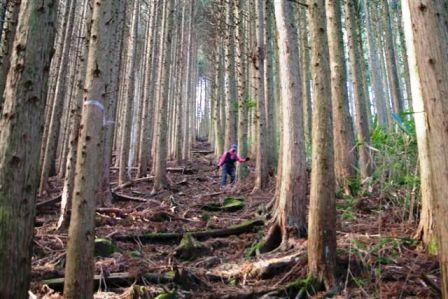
49	201
264	268
182	170
123	197
130	183
123	279
244	227
202	152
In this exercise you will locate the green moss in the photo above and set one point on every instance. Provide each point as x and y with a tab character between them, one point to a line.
135	254
190	248
104	247
230	205
433	246
167	295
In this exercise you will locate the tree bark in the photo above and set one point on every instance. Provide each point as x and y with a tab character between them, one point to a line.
344	155
356	62
20	136
79	268
322	215
426	25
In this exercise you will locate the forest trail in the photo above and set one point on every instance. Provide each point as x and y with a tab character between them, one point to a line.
220	267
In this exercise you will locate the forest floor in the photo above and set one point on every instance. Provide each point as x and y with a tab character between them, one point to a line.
377	257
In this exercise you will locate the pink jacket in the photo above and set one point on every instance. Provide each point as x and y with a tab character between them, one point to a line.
234	157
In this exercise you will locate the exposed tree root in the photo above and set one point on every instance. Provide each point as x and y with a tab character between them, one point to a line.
244	227
273	239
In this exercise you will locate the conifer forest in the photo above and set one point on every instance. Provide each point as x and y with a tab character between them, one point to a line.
223	149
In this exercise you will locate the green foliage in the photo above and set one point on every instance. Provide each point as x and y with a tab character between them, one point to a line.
250	103
347	207
104	247
167	295
308	285
395	156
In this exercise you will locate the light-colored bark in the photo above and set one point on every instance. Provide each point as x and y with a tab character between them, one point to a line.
49	158
356	62
128	99
391	65
344	155
375	68
8	32
20	135
67	190
259	56
79	268
322	215
426	25
161	137
290	207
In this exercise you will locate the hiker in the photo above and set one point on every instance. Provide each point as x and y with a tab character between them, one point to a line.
227	162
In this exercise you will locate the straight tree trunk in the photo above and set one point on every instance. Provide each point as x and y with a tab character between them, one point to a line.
79	267
322	215
426	230
49	158
425	23
344	155
391	65
7	39
124	173
375	67
67	190
161	137
20	136
291	204
261	170
356	62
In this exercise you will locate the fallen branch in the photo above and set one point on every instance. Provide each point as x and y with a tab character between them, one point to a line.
244	227
49	201
130	183
202	152
123	197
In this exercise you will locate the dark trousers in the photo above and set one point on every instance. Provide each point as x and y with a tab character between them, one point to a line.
227	170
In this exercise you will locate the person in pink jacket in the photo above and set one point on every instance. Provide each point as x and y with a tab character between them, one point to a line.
227	163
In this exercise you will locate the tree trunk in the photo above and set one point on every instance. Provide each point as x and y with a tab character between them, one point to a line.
426	25
7	39
49	159
391	65
79	268
67	190
161	137
375	67
344	156
356	63
259	56
20	136
290	210
322	215
128	99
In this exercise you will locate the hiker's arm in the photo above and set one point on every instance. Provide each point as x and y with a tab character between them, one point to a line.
221	160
